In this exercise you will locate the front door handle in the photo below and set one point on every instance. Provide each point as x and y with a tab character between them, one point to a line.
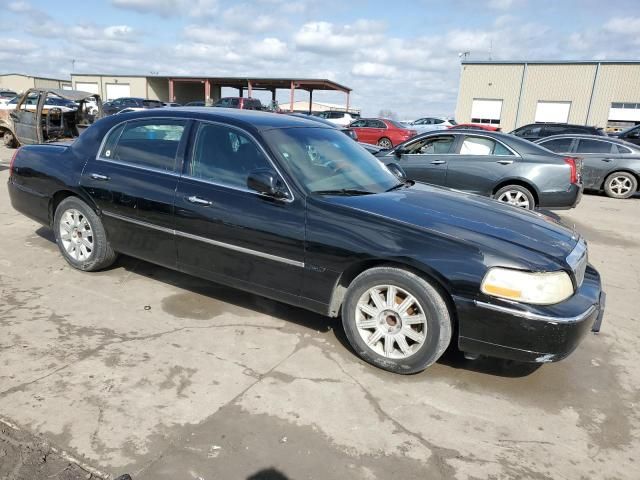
606	160
438	162
199	201
505	162
98	176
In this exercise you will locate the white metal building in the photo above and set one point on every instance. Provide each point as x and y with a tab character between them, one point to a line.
510	94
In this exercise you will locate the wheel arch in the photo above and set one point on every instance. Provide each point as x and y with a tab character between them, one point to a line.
520	182
60	195
348	275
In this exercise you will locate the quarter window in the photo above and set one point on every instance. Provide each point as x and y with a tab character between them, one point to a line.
431	146
623	150
593	146
150	143
224	155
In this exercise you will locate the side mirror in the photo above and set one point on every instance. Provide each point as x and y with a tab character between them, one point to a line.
398	152
633	135
266	182
397	171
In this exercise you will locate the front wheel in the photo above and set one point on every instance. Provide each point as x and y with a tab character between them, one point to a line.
517	196
620	185
81	237
385	143
396	320
9	139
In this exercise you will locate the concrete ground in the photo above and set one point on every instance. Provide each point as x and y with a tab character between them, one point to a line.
143	370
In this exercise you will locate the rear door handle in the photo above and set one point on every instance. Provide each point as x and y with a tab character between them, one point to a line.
438	162
98	176
199	201
606	160
505	162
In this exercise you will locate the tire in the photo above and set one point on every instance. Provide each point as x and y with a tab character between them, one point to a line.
391	347
516	195
77	227
384	142
620	185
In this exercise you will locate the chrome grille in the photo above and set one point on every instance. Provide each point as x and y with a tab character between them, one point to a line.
577	260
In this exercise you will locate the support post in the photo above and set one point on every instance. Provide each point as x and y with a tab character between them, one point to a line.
273	95
348	93
240	92
172	97
293	88
249	89
310	101
207	92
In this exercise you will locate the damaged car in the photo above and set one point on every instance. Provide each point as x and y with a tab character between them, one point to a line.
48	115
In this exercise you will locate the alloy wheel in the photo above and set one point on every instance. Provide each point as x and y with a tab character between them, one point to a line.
515	198
391	321
385	143
620	185
76	235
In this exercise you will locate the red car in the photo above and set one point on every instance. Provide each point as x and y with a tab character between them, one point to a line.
476	126
381	131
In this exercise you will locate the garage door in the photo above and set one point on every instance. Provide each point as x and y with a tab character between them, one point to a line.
486	111
117	90
625	112
91	87
553	112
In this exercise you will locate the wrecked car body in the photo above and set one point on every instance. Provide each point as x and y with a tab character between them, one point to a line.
34	119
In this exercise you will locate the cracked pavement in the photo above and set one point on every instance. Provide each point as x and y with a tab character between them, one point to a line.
142	370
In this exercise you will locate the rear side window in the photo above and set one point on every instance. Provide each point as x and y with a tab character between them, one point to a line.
150	143
593	146
558	145
224	156
530	131
477	146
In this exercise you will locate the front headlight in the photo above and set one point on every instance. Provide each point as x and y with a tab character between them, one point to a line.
544	288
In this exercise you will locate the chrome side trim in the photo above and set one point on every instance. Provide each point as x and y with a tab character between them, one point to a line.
198	238
535	316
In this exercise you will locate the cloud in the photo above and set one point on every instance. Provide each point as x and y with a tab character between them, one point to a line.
249	19
271	48
374	70
502	4
623	26
325	37
20	7
170	8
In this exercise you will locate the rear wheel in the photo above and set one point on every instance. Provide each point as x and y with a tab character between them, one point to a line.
620	185
396	320
81	237
517	196
385	143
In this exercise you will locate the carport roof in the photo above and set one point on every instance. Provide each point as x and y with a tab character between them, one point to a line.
238	82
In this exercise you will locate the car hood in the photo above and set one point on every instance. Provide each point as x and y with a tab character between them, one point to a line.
469	218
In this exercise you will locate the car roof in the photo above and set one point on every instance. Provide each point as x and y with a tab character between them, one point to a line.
560	124
600	138
252	120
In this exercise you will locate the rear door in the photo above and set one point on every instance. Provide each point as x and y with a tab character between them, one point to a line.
364	133
599	157
231	234
133	181
377	130
479	163
425	159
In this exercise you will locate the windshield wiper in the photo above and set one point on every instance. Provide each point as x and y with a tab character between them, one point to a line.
343	191
406	183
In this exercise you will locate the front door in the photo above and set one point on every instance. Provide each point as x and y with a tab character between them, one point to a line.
133	182
425	160
231	234
25	119
479	164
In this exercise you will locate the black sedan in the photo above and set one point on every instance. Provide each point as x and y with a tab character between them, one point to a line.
492	164
295	211
608	164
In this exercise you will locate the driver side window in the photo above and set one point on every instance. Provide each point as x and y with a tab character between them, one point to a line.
224	156
431	146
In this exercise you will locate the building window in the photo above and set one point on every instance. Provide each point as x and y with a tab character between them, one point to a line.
486	111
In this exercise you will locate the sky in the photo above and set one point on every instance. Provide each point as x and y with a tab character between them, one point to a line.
400	56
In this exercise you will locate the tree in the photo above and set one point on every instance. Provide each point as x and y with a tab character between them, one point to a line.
388	114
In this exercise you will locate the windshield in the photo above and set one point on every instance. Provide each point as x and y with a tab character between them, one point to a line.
326	160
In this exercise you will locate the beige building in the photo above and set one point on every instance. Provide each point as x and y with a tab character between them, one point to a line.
510	94
20	83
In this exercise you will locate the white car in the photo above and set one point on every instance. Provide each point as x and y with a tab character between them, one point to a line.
339	118
428	124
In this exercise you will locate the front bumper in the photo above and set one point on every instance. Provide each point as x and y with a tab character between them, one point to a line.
528	333
561	200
